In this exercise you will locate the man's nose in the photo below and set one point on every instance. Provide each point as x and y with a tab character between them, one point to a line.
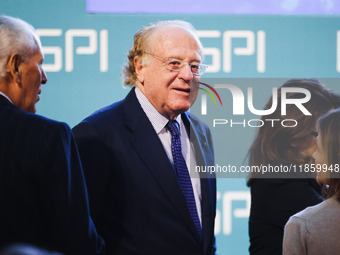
44	77
186	73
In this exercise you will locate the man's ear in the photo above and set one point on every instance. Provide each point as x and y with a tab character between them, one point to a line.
139	70
14	67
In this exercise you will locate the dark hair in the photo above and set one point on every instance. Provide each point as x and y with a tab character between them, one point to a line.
279	144
328	128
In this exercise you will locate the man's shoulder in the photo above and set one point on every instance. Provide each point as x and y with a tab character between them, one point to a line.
112	111
32	127
102	121
27	118
49	123
115	112
13	115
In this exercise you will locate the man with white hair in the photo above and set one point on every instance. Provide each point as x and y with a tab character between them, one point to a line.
43	197
136	153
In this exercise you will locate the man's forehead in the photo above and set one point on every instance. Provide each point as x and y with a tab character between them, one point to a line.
171	31
168	37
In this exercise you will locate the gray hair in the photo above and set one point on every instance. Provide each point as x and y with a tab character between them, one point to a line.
16	37
141	45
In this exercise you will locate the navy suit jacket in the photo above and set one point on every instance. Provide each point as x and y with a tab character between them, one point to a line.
43	199
136	202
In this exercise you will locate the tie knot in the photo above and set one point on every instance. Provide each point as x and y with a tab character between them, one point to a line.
173	128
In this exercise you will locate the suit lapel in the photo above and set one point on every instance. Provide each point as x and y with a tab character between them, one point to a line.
150	149
198	137
204	157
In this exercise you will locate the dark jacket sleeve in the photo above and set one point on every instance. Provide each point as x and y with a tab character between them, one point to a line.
97	164
65	195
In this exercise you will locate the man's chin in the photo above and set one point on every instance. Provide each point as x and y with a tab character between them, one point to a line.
32	110
181	110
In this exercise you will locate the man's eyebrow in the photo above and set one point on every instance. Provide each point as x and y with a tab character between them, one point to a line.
174	57
180	58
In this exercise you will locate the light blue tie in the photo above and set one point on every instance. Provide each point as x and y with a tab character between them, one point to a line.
182	172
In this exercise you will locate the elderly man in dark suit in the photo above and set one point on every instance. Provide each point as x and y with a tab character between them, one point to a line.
136	153
43	199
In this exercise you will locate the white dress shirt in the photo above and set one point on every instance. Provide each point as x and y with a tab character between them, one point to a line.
159	123
6	97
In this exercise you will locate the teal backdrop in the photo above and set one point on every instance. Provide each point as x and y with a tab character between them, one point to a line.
85	54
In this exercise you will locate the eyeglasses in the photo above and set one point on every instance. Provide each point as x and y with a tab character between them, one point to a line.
177	65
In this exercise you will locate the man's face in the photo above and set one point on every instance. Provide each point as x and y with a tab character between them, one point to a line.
170	92
32	76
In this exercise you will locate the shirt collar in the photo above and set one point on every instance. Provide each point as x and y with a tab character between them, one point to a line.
1	93
157	120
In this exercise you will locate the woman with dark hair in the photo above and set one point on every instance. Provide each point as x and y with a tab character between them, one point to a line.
316	230
277	196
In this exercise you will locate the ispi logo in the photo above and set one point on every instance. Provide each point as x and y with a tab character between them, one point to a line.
209	93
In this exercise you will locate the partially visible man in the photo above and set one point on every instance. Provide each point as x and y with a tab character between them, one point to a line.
43	197
136	153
